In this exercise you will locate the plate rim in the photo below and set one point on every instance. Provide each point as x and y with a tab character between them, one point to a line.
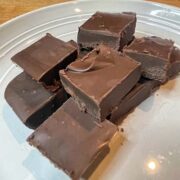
23	16
12	20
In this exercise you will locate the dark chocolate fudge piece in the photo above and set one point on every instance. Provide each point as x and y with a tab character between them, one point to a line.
100	80
31	101
138	94
71	139
154	54
113	29
143	89
175	62
43	59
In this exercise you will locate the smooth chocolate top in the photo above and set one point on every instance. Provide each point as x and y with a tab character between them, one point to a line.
99	71
110	23
71	139
42	56
154	46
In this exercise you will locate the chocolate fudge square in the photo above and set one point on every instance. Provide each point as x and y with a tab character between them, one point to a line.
113	29
154	54
100	80
31	101
142	90
71	139
43	59
175	62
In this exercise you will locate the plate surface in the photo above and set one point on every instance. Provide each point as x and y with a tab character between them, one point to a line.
152	146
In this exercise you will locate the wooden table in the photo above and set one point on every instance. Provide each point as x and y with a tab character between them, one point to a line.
13	8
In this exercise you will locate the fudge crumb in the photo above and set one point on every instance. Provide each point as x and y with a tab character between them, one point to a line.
122	129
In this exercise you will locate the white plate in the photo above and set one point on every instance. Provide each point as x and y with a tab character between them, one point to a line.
152	146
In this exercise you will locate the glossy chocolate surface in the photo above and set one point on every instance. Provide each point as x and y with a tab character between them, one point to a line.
43	59
113	29
100	80
71	139
154	54
31	101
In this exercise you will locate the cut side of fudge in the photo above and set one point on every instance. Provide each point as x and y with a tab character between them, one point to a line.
154	54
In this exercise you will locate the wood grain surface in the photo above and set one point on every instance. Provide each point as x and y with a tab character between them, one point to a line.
13	8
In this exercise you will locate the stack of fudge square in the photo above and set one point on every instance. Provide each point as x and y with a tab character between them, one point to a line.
72	94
